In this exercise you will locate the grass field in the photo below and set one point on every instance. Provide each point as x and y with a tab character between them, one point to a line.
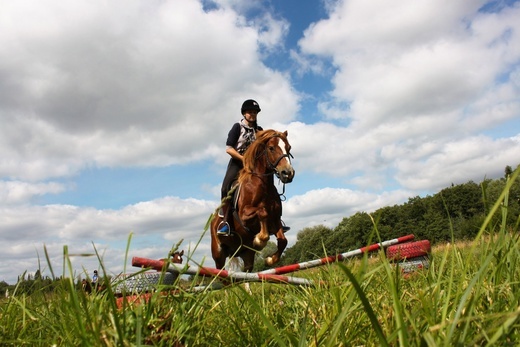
470	295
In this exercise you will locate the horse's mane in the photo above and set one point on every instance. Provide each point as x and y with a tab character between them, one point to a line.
252	152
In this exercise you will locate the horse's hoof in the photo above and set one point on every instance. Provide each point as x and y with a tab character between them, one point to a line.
257	242
269	261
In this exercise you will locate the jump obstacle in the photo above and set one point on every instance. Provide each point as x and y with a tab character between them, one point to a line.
271	275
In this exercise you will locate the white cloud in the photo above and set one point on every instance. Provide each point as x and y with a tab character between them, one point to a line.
416	76
329	206
422	59
160	224
77	78
474	158
155	226
17	192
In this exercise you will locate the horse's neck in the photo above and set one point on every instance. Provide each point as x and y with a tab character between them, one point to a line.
262	170
267	178
270	179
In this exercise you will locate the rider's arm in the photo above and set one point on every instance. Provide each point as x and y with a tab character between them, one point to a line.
232	142
234	153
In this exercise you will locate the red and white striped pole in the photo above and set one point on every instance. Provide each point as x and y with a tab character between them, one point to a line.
339	257
207	271
271	275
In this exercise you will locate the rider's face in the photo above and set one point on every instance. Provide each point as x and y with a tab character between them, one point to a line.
250	115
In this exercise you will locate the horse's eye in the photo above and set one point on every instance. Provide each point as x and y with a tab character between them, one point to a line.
271	148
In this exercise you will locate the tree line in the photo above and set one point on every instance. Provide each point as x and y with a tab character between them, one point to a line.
454	213
28	284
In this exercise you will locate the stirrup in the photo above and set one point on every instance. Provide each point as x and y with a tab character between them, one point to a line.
224	229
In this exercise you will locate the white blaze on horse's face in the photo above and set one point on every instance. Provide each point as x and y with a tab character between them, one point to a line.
284	168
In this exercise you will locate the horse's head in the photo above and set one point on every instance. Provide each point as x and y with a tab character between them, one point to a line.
177	257
277	152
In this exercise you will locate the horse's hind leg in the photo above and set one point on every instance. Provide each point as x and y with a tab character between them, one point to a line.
217	252
220	261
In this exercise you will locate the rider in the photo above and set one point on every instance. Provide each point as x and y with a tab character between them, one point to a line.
95	278
240	137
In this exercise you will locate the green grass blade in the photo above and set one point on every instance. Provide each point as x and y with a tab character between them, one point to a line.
366	304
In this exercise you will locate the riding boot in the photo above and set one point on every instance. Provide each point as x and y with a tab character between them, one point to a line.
223	227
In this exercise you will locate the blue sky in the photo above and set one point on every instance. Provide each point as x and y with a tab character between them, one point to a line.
115	115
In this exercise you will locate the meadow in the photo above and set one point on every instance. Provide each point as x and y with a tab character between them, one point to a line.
469	295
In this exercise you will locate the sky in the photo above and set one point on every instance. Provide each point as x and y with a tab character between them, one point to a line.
114	114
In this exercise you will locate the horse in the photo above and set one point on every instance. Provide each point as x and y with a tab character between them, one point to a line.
89	287
86	286
257	204
176	257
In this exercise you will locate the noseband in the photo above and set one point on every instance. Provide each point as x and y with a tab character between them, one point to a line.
273	166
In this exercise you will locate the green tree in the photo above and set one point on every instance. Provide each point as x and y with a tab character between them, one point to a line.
508	171
355	230
4	286
462	200
310	244
455	212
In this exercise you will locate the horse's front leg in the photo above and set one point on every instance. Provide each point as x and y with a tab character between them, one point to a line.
263	236
250	212
281	243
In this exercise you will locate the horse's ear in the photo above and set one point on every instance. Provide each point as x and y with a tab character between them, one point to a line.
285	133
181	253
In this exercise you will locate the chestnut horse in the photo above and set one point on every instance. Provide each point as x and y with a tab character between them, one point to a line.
258	207
176	257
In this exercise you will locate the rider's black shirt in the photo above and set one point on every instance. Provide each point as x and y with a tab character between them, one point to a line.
241	136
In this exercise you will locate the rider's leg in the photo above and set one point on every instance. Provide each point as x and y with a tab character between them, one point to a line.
223	227
231	175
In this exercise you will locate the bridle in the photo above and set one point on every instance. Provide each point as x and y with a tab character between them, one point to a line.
272	165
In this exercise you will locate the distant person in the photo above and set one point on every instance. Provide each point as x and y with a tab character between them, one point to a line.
95	278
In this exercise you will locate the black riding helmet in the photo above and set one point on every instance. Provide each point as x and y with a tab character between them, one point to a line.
250	105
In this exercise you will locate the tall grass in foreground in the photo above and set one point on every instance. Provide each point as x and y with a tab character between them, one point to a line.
469	296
